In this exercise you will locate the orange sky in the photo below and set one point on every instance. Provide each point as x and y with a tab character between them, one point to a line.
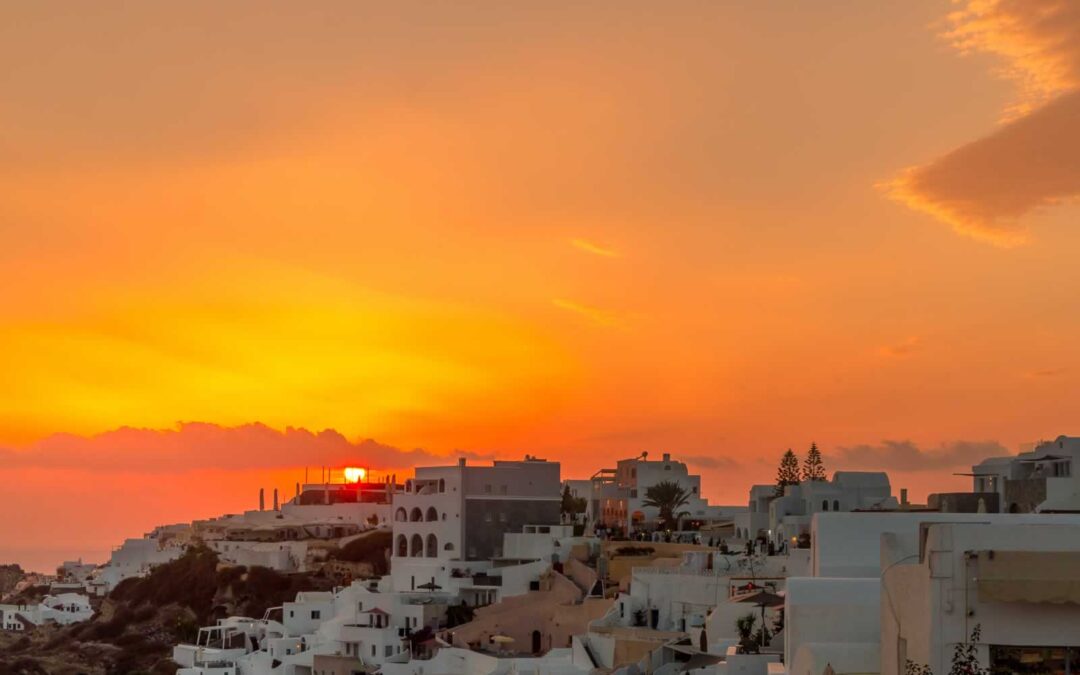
716	229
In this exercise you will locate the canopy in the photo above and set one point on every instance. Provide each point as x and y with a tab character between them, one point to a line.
1028	576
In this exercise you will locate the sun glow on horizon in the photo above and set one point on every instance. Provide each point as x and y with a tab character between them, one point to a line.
355	474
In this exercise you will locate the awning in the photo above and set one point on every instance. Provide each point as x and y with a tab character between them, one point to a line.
1028	576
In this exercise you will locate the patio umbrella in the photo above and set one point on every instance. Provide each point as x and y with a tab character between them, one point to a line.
430	586
762	599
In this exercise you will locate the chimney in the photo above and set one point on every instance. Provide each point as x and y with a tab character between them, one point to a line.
461	461
903	497
326	493
298	489
262	499
275	500
667	456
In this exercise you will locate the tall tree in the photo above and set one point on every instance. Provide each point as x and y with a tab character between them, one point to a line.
667	496
788	473
571	505
813	468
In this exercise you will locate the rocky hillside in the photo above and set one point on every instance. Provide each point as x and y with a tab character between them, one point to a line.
9	576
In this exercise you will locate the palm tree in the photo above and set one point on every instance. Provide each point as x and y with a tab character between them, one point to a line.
667	496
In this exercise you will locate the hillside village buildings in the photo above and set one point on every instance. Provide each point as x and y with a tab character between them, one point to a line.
617	497
830	577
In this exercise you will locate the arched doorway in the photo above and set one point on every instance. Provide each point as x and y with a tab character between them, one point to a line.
416	547
402	548
432	546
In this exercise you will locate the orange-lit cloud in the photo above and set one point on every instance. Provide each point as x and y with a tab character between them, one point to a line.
908	456
985	188
590	247
197	446
1039	41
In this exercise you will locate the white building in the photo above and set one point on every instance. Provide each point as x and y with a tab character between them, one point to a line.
791	514
62	609
461	512
619	494
443	519
912	586
133	558
1041	480
754	522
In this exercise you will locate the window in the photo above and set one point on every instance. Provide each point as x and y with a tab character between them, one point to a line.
373	650
502	489
667	467
487	517
315	614
487	489
825	505
836	505
389	650
502	517
633	494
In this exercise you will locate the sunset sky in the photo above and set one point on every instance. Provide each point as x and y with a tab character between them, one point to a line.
237	239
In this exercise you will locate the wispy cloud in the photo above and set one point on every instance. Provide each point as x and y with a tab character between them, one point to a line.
195	446
1039	41
594	248
710	462
594	314
907	456
985	188
901	349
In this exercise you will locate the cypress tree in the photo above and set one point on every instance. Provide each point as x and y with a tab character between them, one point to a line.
788	473
813	467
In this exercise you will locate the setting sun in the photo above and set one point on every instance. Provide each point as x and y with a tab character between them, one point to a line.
355	474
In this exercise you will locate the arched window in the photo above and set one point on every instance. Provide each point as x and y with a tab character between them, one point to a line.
400	515
449	546
825	505
416	515
402	548
836	505
432	514
416	549
432	546
442	485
